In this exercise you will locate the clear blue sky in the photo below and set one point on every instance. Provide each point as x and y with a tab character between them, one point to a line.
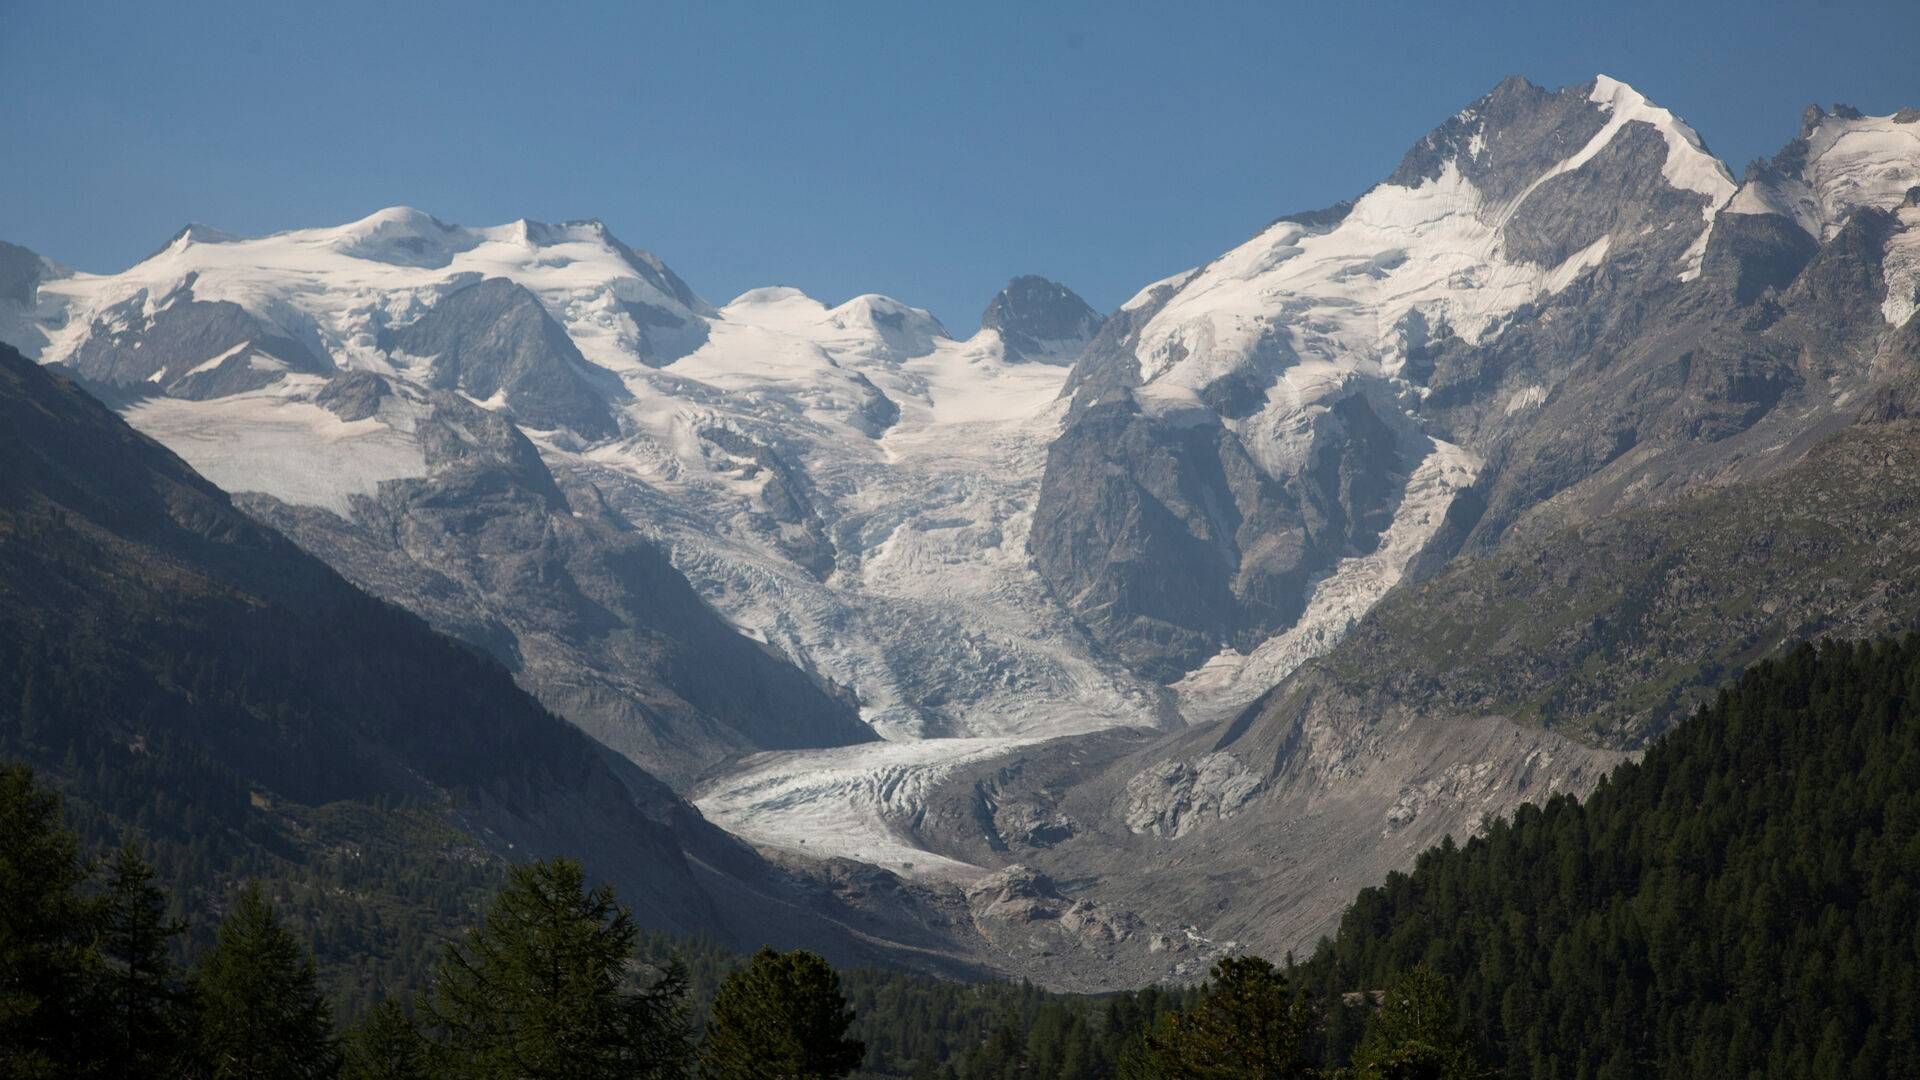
925	152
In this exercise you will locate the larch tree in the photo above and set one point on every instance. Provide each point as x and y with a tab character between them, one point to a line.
546	988
261	1016
46	960
780	1016
146	1025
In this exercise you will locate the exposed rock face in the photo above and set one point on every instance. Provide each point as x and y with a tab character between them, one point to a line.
1172	798
21	321
1169	541
1041	321
1500	143
591	617
494	340
20	274
187	348
1622	191
786	507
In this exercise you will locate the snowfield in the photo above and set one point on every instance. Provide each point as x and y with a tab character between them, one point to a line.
272	440
1851	161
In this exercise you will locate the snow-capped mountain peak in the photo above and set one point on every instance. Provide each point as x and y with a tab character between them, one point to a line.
1841	161
339	291
1689	166
1313	341
869	326
400	235
1515	197
900	331
195	232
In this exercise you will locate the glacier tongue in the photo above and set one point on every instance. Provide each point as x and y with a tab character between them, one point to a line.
848	802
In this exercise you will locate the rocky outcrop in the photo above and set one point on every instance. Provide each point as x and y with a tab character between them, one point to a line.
1168	540
187	348
785	505
1172	798
20	273
22	324
494	341
1041	321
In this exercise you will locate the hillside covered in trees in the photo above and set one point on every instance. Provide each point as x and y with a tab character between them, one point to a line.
1741	902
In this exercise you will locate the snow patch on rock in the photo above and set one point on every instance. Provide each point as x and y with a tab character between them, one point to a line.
1902	269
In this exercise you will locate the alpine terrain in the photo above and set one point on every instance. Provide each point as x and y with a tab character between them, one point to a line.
1092	648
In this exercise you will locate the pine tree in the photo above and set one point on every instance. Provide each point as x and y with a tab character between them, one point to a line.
261	1016
782	1015
144	1024
386	1045
46	964
545	988
1416	1035
1248	1024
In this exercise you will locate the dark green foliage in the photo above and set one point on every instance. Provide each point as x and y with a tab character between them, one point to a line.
1249	1024
1739	903
142	1019
545	987
1415	1034
385	1044
261	1015
782	1015
46	965
917	1026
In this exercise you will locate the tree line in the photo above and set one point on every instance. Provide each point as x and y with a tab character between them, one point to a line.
556	981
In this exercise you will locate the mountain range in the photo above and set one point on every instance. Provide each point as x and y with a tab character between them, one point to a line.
1119	641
